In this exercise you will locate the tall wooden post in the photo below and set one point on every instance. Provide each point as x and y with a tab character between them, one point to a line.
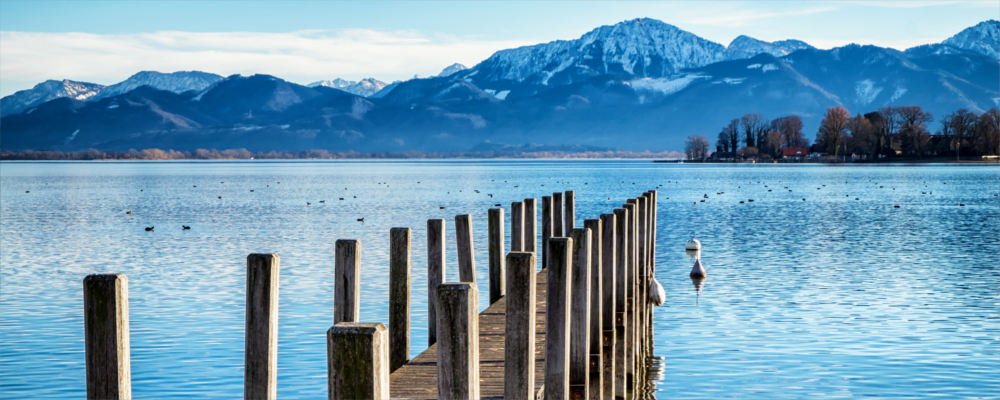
357	357
546	229
496	238
399	297
466	251
557	323
579	346
558	224
641	297
517	226
530	226
609	255
631	301
260	377
596	365
105	321
347	285
570	209
435	273
458	341
622	342
519	341
652	260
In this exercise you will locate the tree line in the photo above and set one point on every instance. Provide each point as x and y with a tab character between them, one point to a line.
889	132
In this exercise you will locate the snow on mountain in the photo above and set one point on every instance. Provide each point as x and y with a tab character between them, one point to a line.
745	47
982	38
641	47
451	69
365	87
45	91
177	82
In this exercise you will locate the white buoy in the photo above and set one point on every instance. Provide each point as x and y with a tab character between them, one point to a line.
657	296
693	244
697	271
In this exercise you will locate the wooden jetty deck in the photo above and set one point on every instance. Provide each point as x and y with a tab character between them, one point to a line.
417	379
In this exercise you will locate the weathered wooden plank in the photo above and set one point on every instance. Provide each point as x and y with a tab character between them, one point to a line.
357	361
519	341
631	301
106	327
546	229
399	297
557	322
260	377
530	226
517	226
435	273
569	197
622	341
458	341
347	281
579	346
558	223
496	253
596	365
465	248
609	254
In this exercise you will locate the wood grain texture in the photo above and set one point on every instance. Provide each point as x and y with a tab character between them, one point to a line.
596	365
557	322
495	222
609	246
558	223
546	229
630	299
260	379
399	297
569	211
106	327
517	226
579	344
458	341
531	226
357	361
466	249
347	281
621	306
435	273
519	330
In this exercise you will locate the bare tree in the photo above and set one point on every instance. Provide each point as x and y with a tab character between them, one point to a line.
790	127
753	125
733	131
696	147
832	130
987	134
862	133
913	129
960	125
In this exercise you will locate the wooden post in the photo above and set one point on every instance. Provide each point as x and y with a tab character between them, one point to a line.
557	215
435	273
357	357
496	238
546	229
260	377
458	341
609	245
105	321
631	301
641	297
579	344
530	226
517	226
557	324
466	251
570	209
347	285
622	342
519	342
399	297
652	260
596	365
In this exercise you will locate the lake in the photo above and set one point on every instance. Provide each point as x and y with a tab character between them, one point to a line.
820	287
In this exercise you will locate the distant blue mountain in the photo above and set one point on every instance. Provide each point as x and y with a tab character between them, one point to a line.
640	84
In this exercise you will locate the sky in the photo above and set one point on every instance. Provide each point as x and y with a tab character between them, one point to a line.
304	41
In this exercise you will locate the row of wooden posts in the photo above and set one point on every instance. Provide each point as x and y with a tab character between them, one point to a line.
598	327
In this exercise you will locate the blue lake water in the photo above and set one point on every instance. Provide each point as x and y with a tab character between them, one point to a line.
840	295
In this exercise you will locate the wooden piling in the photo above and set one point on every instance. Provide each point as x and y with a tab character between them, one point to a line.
347	281
579	346
260	377
641	297
357	361
435	273
570	209
622	339
399	297
458	341
519	340
517	226
557	322
558	224
546	229
464	246
596	365
609	246
530	226
631	300
496	253
106	328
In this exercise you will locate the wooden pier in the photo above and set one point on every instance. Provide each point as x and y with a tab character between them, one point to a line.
580	328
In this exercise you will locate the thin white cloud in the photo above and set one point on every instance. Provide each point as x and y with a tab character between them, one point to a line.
27	58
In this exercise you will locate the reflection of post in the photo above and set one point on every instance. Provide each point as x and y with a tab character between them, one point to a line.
557	323
579	372
435	273
519	342
596	307
608	297
105	321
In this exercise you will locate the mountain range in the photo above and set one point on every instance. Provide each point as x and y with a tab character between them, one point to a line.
640	84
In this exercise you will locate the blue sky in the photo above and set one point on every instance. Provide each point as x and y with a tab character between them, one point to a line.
106	41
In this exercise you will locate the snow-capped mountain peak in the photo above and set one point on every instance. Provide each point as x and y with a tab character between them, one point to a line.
451	69
45	91
982	38
365	87
744	46
177	82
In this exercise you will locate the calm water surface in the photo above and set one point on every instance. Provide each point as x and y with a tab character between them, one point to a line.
840	295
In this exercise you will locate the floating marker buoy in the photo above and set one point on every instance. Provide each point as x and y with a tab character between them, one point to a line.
697	271
693	244
657	296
